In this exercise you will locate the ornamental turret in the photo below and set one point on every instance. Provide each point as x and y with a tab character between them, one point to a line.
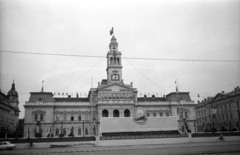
13	96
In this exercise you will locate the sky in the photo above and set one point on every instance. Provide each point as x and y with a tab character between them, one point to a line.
173	30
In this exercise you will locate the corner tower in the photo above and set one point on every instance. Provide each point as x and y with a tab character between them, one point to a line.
13	96
114	63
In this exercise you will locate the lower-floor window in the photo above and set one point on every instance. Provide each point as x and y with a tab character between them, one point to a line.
64	131
57	132
79	131
86	131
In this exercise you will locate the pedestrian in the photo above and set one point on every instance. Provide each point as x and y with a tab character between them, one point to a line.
221	138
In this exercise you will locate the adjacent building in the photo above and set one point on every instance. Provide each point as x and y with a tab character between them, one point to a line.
47	115
219	113
9	112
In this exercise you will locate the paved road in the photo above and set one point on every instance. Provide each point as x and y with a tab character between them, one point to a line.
172	149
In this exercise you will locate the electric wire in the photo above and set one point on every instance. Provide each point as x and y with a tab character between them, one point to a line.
144	75
94	56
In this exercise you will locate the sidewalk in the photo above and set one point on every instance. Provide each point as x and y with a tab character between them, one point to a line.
135	142
118	148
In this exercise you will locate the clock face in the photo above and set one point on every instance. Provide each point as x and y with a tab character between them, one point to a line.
115	77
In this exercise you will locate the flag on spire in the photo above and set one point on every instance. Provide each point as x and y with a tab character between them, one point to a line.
111	31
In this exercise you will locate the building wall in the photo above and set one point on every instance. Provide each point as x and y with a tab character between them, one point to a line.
226	115
8	115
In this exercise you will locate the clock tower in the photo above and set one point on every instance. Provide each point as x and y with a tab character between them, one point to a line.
114	63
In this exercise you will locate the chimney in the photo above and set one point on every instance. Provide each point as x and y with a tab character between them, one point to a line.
131	83
198	101
98	83
222	91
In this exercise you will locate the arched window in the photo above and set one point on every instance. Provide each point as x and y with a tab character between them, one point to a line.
104	113
79	131
126	113
116	113
118	61
114	60
111	60
57	132
64	131
86	131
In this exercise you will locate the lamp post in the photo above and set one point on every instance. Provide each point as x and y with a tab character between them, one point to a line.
83	128
195	124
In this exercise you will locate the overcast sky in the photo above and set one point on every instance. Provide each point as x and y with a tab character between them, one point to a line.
193	30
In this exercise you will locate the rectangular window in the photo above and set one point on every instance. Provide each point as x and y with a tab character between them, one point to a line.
154	115
181	115
86	117
161	114
186	115
148	114
227	117
57	118
79	118
41	117
65	117
36	117
72	118
167	114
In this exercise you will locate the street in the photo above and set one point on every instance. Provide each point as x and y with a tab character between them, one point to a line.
186	148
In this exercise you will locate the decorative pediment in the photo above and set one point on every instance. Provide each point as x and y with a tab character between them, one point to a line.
115	87
218	97
39	112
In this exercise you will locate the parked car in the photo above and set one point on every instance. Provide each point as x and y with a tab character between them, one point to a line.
7	145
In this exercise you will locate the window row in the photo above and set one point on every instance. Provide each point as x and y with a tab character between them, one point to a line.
79	131
66	117
154	114
116	113
115	60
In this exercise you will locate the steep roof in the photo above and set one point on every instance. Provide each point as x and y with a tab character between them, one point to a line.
41	96
104	82
181	96
71	99
151	99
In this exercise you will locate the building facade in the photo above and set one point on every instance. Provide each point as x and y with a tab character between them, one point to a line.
219	113
9	112
46	115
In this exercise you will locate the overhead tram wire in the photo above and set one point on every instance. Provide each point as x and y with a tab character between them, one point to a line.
145	75
81	76
156	59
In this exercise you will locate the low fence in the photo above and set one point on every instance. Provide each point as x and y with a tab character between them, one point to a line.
216	134
141	137
46	140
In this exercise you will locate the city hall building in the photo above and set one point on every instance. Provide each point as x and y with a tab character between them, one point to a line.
49	116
